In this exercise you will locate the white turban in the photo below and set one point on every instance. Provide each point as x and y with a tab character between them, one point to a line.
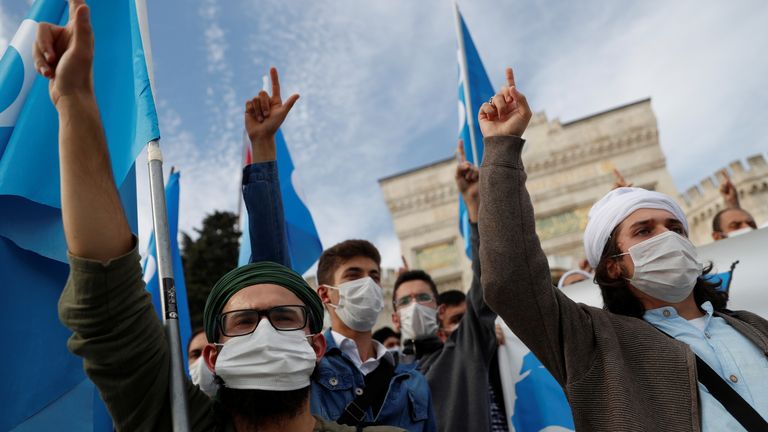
614	207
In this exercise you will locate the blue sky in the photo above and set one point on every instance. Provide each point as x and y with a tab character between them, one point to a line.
378	86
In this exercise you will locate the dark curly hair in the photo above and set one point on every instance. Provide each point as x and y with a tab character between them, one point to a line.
617	297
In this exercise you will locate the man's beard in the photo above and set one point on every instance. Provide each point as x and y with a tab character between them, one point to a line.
260	407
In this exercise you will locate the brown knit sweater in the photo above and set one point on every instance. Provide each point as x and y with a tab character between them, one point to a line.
619	373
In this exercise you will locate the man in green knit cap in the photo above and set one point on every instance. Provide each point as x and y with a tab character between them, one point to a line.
263	320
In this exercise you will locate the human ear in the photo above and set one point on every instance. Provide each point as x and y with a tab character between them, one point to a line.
319	345
613	268
210	353
396	321
322	291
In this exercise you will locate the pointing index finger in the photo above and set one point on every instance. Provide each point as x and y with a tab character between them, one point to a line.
275	83
462	156
510	77
73	5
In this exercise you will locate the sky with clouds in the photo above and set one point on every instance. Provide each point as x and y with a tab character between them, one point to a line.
378	87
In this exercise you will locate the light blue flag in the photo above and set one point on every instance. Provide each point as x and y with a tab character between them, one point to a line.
304	245
29	164
44	387
150	265
472	80
533	400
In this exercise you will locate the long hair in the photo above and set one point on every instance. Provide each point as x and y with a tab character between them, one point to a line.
617	297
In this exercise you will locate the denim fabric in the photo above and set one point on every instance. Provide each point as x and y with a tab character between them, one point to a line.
266	220
408	403
734	357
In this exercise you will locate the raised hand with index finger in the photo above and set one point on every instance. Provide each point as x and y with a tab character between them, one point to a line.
507	113
263	116
64	55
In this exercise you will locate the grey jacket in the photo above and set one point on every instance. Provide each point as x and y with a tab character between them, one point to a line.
618	372
458	375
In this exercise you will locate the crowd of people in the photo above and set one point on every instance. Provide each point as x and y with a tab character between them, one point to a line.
663	354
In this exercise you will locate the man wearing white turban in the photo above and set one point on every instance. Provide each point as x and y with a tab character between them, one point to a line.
664	353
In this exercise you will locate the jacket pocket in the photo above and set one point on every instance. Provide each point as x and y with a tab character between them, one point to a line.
334	380
418	406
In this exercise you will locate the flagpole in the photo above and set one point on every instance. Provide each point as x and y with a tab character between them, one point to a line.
463	70
166	284
167	287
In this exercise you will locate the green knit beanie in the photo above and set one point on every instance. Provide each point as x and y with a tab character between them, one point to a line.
260	273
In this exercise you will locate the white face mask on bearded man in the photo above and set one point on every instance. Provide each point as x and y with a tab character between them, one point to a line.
666	267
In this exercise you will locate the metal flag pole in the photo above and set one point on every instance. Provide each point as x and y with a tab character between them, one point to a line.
177	388
465	82
178	392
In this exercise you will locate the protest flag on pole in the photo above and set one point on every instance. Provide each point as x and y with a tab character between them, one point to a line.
149	266
474	89
44	386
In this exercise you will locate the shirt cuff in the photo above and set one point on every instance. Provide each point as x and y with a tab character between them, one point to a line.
260	171
503	150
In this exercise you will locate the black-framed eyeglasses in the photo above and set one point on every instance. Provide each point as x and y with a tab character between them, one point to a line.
244	321
420	298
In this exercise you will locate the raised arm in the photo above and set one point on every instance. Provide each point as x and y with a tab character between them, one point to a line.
728	191
94	221
115	329
516	278
261	185
477	327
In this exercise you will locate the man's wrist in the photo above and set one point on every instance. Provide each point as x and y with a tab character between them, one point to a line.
76	101
263	149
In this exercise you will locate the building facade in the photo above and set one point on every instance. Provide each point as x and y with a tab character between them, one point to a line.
569	165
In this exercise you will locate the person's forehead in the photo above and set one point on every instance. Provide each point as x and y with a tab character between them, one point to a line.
454	309
198	342
735	215
575	277
413	287
362	263
261	296
654	216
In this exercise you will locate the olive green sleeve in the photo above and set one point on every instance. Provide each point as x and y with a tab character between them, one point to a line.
123	345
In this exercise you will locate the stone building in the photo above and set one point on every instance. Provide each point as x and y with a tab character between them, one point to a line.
703	201
570	165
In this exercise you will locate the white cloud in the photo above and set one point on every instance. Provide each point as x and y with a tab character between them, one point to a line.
378	87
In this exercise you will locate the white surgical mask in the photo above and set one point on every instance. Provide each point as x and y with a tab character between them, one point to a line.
666	267
360	302
203	377
394	350
267	359
417	321
739	232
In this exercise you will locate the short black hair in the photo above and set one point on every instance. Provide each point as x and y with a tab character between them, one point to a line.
451	298
412	275
384	333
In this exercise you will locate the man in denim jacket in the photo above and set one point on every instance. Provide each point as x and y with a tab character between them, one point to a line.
350	354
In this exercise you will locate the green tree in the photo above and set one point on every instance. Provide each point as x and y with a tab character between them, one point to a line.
208	258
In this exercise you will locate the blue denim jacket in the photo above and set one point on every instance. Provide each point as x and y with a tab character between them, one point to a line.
408	403
266	221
